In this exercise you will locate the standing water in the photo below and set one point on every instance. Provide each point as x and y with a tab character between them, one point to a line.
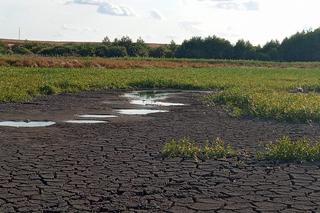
26	123
151	98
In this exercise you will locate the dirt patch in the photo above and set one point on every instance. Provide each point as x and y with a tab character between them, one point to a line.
117	166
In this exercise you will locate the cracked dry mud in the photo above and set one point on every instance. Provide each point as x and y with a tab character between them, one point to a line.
117	166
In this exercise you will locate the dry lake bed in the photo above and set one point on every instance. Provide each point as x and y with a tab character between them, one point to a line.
101	152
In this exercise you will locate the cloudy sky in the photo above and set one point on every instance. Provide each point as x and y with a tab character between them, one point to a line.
157	21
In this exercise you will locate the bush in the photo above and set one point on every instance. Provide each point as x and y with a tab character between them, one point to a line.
34	47
19	49
58	51
85	50
159	52
112	51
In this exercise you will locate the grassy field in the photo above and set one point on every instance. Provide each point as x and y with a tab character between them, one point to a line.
254	91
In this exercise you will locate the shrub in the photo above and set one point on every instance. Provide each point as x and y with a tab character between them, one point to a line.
112	51
58	51
159	52
85	50
34	47
19	49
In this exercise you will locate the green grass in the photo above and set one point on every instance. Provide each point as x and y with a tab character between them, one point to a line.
244	91
188	148
285	149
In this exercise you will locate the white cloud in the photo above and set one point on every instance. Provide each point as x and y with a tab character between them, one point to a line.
156	15
114	10
251	5
190	26
105	7
217	0
234	4
254	20
66	27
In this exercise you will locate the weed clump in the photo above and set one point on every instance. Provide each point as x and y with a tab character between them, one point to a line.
188	148
47	90
284	149
218	149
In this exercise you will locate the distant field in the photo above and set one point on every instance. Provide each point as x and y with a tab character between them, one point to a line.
251	91
16	41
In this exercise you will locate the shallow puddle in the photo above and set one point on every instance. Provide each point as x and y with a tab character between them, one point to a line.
151	98
26	123
85	122
97	116
154	103
139	111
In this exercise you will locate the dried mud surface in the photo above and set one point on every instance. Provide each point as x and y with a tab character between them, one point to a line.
117	167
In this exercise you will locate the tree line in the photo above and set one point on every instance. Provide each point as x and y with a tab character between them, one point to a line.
302	46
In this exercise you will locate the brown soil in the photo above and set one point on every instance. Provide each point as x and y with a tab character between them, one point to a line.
117	166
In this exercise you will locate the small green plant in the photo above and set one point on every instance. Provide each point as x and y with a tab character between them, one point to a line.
284	149
188	148
217	149
181	148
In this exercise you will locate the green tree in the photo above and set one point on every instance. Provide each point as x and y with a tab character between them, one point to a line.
302	46
244	50
159	52
106	41
270	50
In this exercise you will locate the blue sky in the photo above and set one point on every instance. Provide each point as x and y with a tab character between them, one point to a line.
157	21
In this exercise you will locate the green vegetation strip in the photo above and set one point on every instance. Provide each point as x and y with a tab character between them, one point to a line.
188	148
284	149
268	93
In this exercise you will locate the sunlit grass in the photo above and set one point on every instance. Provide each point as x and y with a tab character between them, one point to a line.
258	92
284	149
278	105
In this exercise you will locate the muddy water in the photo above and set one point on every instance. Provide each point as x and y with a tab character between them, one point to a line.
96	116
26	124
139	111
151	98
85	122
149	102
